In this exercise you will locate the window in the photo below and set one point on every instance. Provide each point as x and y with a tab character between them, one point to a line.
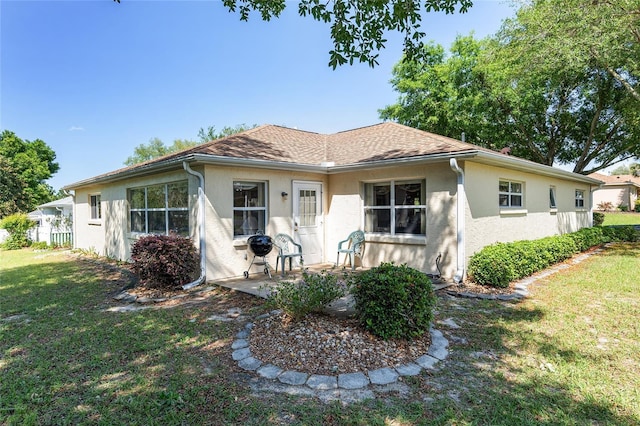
552	197
579	198
249	208
160	209
396	207
96	209
510	194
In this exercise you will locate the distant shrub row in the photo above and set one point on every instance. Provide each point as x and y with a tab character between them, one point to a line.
499	264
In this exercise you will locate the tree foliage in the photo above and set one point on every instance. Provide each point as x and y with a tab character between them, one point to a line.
510	91
358	27
155	148
24	168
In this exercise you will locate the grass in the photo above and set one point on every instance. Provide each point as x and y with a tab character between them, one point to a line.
621	218
570	354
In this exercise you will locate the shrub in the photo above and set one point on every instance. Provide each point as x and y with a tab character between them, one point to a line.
310	294
598	218
17	225
39	245
619	234
623	208
637	206
605	206
165	261
393	301
586	238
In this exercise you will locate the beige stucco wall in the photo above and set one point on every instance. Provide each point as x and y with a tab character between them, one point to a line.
616	195
226	256
487	223
346	214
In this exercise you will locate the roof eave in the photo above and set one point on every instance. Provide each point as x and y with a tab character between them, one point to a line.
503	160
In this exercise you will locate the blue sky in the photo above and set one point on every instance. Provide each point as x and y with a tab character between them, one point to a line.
94	78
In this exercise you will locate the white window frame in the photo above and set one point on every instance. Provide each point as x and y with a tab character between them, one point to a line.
166	209
394	208
510	193
95	208
579	199
248	208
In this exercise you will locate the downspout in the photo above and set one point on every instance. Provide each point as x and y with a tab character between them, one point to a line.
459	276
201	230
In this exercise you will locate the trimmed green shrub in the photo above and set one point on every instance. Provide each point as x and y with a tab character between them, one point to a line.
393	301
620	234
40	245
165	261
17	225
598	218
499	264
310	294
637	206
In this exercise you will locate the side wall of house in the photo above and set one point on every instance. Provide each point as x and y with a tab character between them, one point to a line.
346	214
616	195
228	256
487	222
110	235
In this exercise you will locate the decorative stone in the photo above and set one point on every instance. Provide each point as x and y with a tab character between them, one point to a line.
321	382
383	376
123	296
239	344
293	378
243	334
352	381
438	348
269	371
239	354
427	362
249	326
250	363
410	369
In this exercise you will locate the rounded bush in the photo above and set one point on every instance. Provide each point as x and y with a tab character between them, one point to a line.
393	301
165	261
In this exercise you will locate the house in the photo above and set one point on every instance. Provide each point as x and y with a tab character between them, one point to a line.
53	221
417	196
619	190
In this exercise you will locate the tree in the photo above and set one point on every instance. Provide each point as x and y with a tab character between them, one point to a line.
357	27
632	169
494	91
24	168
156	148
210	133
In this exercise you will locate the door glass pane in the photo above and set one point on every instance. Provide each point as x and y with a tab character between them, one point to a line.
307	207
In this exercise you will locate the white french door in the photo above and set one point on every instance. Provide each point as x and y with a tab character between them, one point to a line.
308	223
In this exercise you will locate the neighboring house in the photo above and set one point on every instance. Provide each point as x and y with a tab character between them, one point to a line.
415	194
53	221
619	190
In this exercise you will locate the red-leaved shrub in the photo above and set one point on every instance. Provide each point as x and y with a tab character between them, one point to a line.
165	261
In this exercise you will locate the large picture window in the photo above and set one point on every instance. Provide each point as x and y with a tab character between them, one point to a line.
249	208
510	194
396	207
160	209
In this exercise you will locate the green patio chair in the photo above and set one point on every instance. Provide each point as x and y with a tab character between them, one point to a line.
353	246
287	249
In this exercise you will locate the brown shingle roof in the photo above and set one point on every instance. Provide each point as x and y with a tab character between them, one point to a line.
616	179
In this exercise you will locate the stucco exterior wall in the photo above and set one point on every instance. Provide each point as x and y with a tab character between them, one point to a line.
487	223
228	256
617	195
346	214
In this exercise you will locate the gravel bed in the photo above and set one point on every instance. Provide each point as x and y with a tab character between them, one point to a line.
327	345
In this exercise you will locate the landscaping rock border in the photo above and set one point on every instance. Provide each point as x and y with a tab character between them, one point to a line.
438	351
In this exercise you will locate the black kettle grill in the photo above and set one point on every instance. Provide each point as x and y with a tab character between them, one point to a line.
260	245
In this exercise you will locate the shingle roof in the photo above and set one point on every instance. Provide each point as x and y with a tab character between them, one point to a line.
617	179
277	144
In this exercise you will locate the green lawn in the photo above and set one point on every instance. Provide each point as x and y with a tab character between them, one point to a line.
569	354
621	218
